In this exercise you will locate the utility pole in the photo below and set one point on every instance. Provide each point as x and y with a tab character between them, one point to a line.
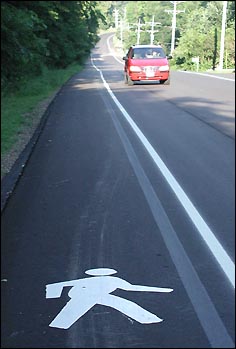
139	30
222	41
175	3
116	14
173	28
121	32
152	31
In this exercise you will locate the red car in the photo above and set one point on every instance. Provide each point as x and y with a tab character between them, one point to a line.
146	63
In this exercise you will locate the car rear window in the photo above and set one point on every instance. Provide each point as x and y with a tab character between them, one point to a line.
148	53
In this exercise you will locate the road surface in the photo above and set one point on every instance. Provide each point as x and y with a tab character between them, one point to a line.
129	191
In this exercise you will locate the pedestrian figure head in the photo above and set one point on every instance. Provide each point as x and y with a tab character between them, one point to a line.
100	271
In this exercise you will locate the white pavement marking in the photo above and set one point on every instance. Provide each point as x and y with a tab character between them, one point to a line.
211	322
112	52
213	244
208	75
87	292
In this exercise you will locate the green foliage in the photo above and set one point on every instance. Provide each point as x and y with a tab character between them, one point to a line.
45	33
17	105
197	34
230	47
201	38
21	50
107	12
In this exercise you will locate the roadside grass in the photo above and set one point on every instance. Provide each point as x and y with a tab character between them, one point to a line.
16	106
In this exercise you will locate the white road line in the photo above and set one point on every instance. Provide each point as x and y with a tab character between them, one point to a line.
112	52
205	310
213	244
209	75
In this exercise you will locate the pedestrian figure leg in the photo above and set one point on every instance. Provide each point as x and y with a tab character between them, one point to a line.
71	312
130	309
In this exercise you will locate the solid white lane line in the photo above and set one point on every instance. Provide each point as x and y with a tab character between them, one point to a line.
205	310
208	75
213	244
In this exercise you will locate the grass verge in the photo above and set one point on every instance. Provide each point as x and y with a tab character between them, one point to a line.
17	106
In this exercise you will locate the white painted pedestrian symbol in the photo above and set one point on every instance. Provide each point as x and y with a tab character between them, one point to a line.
88	292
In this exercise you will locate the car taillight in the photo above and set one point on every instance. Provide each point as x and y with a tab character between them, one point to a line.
134	68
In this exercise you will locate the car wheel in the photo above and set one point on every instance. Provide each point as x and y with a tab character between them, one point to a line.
130	82
126	79
165	82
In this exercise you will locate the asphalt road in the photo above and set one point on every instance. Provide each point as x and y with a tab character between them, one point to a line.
137	184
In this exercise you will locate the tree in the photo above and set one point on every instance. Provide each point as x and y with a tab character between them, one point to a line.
201	36
51	33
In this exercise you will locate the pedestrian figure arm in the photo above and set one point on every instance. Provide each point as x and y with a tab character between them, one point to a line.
55	290
147	288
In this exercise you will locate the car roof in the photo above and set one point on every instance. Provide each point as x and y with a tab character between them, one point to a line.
145	46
